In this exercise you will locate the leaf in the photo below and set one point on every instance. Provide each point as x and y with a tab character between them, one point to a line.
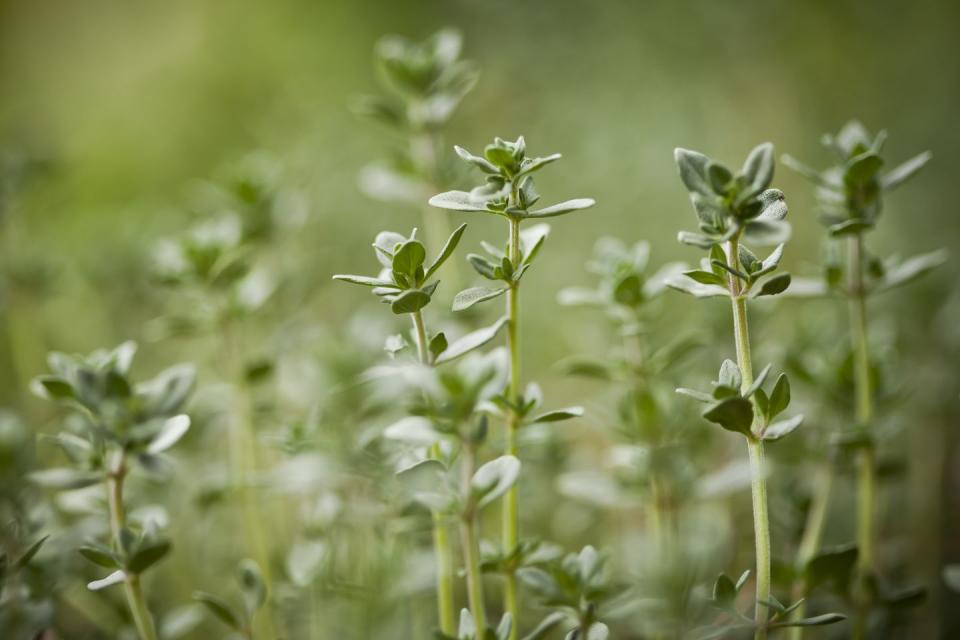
438	344
172	430
147	556
53	388
832	565
469	297
686	285
65	479
252	585
696	395
815	621
693	170
558	415
775	285
900	174
467	629
410	301
778	430
482	163
493	479
598	631
779	397
724	592
457	201
758	381
742	580
706	277
695	239
220	608
849	227
28	555
545	626
733	414
100	555
408	258
446	252
535	164
471	341
913	268
730	375
365	281
758	167
862	168
415	430
562	208
114	578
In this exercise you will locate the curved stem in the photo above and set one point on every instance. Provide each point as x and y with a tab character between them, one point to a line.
441	538
866	479
118	520
758	483
511	510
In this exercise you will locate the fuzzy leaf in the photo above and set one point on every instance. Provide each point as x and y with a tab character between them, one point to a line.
778	430
562	208
469	297
471	341
446	252
493	479
733	414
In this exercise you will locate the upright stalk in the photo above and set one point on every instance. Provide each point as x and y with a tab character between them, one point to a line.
810	542
866	480
758	483
471	546
511	513
441	539
118	520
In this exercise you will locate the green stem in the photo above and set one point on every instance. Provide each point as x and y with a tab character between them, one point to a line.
866	480
242	448
441	548
511	510
810	542
118	520
758	483
441	540
471	547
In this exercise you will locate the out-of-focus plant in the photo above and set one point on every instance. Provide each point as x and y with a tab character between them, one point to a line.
576	587
509	192
116	421
850	195
653	466
734	208
223	273
423	84
404	283
253	591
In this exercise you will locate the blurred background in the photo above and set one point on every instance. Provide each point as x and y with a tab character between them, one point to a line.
117	117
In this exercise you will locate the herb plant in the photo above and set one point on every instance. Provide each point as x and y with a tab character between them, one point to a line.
116	421
509	191
850	194
732	209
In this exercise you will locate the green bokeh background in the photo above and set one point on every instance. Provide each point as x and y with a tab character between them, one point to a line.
122	106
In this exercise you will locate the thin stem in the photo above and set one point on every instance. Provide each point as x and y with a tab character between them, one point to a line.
511	510
866	479
471	547
758	483
443	554
118	520
242	449
441	539
421	334
810	542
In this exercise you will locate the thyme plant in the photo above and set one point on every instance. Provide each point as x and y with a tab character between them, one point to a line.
405	283
116	421
850	194
733	209
423	85
508	191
